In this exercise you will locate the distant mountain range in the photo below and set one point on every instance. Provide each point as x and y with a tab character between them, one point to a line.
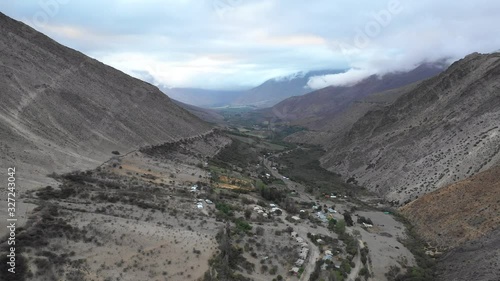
267	94
201	97
319	108
277	89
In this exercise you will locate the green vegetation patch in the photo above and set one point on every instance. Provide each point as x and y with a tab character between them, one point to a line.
302	165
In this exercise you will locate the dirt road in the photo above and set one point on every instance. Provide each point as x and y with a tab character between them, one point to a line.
301	229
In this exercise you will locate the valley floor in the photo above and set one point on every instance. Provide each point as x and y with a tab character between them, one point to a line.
189	211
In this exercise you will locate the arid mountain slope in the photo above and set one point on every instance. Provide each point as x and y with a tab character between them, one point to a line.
472	209
316	109
443	130
330	129
62	110
469	224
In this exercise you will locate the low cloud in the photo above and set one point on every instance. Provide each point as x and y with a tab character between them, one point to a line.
348	78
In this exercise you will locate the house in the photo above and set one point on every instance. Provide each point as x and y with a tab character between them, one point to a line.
299	239
327	257
199	206
295	218
275	209
256	208
259	211
330	210
272	205
295	270
319	241
299	262
208	201
322	216
367	225
302	211
328	252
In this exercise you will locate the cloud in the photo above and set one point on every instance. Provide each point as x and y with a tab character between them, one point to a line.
348	78
234	44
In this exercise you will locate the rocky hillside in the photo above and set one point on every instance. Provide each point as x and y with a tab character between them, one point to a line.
469	225
62	110
444	130
329	130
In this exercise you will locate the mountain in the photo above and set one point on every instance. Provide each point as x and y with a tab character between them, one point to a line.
327	131
62	110
443	130
319	108
201	97
468	226
277	89
267	94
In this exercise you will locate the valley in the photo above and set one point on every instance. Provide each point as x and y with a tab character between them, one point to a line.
388	170
215	207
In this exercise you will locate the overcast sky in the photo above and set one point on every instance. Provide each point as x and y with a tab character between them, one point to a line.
231	44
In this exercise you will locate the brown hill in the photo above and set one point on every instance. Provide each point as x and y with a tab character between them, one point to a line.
443	130
465	210
464	216
62	110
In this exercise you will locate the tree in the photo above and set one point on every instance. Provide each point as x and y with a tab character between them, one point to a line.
348	219
331	224
340	227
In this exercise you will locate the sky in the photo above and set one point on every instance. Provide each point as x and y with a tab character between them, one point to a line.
238	44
